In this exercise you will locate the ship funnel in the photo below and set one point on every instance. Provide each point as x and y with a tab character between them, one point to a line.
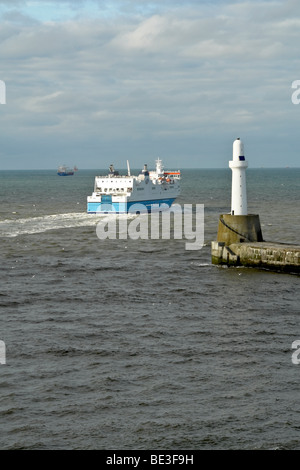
159	166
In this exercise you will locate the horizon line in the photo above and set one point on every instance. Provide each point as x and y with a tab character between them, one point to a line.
182	168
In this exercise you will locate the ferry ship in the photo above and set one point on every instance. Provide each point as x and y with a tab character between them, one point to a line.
116	193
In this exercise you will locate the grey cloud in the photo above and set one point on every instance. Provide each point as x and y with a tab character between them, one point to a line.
173	79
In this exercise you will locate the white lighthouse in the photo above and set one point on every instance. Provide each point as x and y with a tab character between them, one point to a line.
238	226
238	165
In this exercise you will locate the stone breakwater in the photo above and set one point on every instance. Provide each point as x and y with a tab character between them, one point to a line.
267	255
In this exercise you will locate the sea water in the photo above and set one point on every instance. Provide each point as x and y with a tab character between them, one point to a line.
142	344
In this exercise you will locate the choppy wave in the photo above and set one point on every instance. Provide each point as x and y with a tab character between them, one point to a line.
150	340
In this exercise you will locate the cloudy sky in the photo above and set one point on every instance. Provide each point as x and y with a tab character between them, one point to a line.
102	81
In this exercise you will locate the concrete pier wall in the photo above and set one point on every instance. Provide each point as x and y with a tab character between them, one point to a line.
239	228
273	256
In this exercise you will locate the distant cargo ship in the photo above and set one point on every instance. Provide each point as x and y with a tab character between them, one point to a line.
115	193
63	170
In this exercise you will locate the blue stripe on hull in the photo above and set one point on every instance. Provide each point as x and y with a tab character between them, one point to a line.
123	207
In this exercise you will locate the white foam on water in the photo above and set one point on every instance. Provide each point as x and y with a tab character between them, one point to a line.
31	225
16	227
